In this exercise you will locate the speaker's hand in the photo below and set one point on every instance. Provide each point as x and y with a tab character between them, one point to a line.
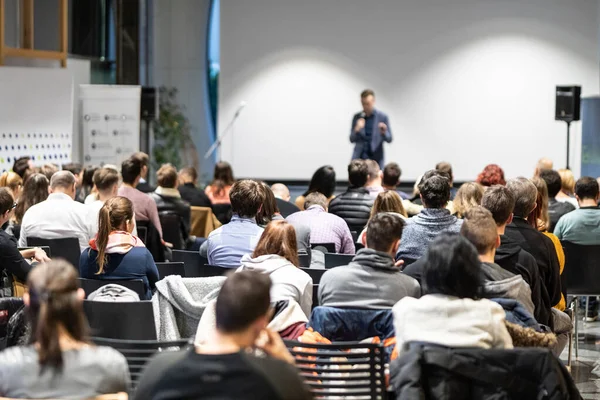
382	128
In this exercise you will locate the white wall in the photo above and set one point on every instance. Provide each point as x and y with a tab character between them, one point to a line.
467	81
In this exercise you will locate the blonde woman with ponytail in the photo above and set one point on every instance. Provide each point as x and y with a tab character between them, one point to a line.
60	362
116	254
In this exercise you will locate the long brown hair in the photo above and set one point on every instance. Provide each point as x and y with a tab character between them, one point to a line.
222	178
468	196
278	238
113	214
269	205
539	217
388	201
54	304
35	191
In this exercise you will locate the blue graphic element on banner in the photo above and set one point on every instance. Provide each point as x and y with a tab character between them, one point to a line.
590	136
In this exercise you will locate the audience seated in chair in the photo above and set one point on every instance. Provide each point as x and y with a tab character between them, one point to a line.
35	190
372	280
324	227
106	182
61	362
168	200
556	209
227	245
582	226
434	219
451	314
12	262
282	197
59	216
242	314
322	181
143	185
389	202
446	168
534	242
115	253
375	177
567	187
491	175
145	207
468	196
500	202
188	179
276	255
391	179
354	205
218	190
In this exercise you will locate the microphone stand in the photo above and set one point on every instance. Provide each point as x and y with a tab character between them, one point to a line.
217	144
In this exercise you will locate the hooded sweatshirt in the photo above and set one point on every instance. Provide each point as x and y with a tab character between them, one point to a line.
511	257
451	321
288	281
500	283
370	281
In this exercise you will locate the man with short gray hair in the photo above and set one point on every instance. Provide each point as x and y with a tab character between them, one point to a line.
282	197
324	227
59	216
536	243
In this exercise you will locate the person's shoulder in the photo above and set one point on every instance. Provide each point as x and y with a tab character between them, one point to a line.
17	356
106	355
283	377
381	114
405	303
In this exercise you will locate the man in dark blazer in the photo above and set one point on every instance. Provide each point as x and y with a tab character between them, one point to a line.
370	128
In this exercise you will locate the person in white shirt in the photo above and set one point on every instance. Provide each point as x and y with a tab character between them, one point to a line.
106	181
59	216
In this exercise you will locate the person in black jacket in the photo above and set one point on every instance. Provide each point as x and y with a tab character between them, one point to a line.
354	205
188	178
500	202
11	260
556	209
168	200
534	242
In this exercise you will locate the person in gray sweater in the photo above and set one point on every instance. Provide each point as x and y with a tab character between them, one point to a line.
372	280
434	219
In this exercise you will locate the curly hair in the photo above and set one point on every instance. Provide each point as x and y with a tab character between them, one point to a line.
528	337
492	174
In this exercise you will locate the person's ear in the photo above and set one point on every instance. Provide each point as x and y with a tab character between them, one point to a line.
510	219
579	200
50	190
498	241
80	294
26	299
363	238
395	246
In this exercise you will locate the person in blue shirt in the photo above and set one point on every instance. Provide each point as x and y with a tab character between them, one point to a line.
582	226
115	254
228	244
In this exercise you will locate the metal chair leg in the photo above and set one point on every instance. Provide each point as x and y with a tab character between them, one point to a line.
587	304
575	317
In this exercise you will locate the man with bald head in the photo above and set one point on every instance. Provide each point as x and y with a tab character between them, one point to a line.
282	196
59	216
543	163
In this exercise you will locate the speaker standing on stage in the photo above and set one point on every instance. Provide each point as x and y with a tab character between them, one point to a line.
370	128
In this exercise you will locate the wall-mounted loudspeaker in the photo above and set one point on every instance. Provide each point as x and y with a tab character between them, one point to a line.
568	100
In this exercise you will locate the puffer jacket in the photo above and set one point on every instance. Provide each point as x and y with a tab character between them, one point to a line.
427	372
354	207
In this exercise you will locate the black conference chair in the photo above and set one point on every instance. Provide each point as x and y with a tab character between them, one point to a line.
142	232
335	260
196	265
153	242
354	235
171	227
67	248
315	274
139	352
222	212
304	260
170	268
130	321
91	285
359	369
324	247
315	302
581	276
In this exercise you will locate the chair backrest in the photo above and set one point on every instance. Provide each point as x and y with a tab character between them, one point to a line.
304	260
171	228
315	274
139	352
341	370
581	275
129	321
324	247
91	285
196	265
170	268
202	221
67	248
335	260
222	212
153	242
315	302
354	235
142	232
